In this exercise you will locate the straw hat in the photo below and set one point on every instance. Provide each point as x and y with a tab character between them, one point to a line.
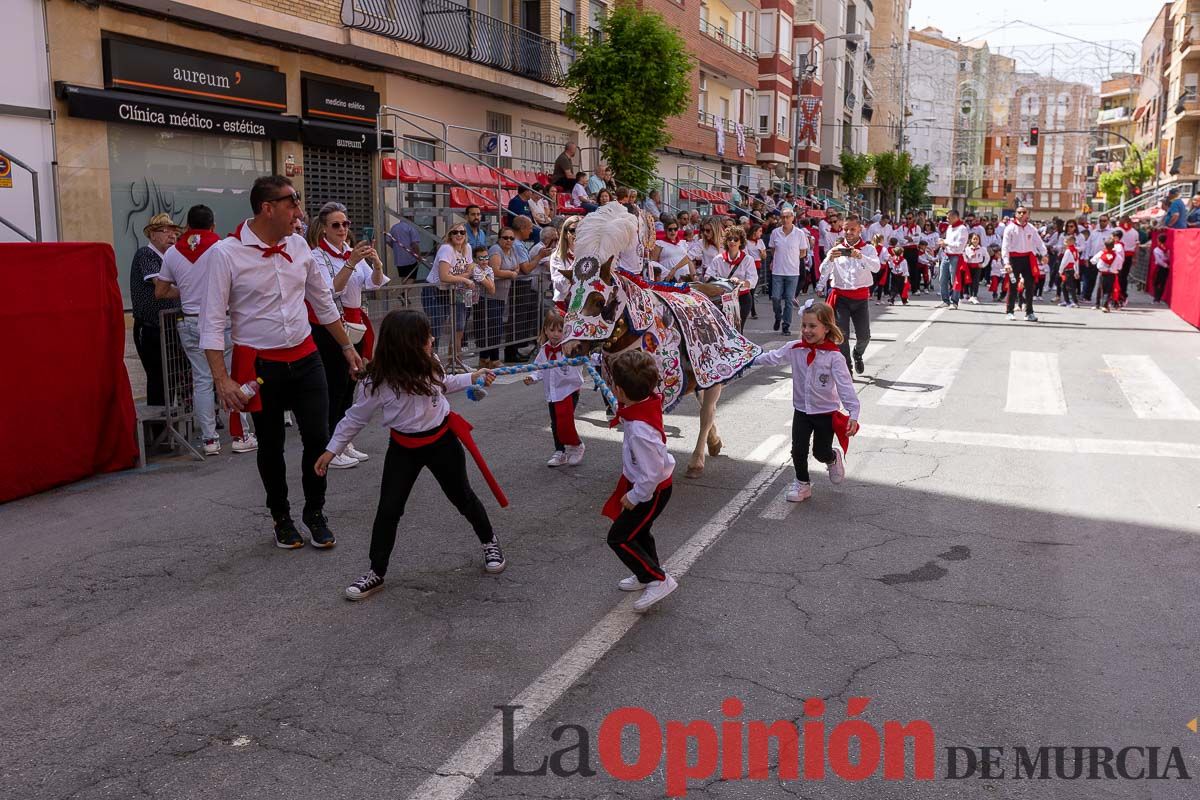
159	221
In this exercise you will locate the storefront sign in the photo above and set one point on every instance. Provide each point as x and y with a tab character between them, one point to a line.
342	137
334	101
5	173
195	117
140	68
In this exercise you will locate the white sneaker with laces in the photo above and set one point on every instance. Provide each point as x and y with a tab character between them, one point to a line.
631	584
973	301
559	459
355	453
837	470
575	454
799	491
212	447
247	444
655	591
343	462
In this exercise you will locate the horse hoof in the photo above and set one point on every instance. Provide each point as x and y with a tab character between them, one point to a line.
714	448
694	472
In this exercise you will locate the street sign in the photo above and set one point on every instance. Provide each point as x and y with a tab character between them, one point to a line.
5	173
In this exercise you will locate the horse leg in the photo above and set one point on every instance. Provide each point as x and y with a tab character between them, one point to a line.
708	415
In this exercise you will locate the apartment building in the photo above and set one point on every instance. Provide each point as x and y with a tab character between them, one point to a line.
886	62
1114	119
931	100
1150	113
1181	122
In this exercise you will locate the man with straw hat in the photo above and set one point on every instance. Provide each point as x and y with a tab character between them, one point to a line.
161	233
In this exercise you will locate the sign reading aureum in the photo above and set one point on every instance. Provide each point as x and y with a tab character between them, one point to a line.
144	68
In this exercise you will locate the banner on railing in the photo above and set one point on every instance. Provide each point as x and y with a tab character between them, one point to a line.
741	140
720	121
808	130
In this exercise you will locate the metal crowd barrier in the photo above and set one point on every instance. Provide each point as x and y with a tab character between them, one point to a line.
176	417
1139	274
493	328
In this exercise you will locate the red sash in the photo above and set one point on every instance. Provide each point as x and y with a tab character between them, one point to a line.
359	315
457	425
612	506
243	369
862	293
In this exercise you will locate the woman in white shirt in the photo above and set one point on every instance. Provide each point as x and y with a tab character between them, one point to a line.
737	266
454	270
707	248
562	260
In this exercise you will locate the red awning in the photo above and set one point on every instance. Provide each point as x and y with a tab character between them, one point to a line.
1138	113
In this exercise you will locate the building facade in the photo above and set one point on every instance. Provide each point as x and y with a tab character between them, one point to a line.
886	64
1181	121
931	99
1150	113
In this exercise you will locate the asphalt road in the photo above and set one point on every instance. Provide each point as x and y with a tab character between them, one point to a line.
1010	577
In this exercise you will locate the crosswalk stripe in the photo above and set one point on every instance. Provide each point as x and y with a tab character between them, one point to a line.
1150	393
1035	384
925	382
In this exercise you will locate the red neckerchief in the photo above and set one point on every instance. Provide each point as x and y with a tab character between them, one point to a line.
1071	249
1126	226
813	348
733	264
328	248
957	223
194	244
1108	256
552	351
857	245
648	411
267	252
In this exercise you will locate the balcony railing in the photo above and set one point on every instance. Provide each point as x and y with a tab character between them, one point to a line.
456	30
727	40
1119	114
710	121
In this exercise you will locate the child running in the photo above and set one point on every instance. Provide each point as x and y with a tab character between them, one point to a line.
645	485
406	384
562	386
821	385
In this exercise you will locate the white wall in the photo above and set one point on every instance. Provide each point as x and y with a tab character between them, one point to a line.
932	79
31	139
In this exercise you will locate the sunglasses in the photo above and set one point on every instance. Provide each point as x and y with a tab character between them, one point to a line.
570	231
506	238
458	233
672	229
339	225
294	197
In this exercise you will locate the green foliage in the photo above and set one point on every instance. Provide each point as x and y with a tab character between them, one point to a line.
1117	185
915	192
891	173
625	86
1112	186
855	169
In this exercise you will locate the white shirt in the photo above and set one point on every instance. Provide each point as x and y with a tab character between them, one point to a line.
651	207
560	281
1096	240
265	296
1160	258
189	278
978	229
788	247
822	387
579	194
847	272
363	277
743	268
1130	239
560	382
1115	266
909	237
645	460
990	239
1069	263
956	239
448	254
1020	238
974	254
404	412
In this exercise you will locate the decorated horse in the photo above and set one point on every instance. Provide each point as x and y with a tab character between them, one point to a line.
690	329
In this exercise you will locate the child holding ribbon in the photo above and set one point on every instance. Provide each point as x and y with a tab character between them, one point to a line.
562	386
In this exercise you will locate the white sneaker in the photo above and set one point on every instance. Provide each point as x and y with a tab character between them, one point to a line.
799	491
1012	316
575	454
355	453
656	591
631	584
343	462
559	459
247	444
973	301
212	447
837	470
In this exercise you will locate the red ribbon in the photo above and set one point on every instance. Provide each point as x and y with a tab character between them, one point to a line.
456	424
328	248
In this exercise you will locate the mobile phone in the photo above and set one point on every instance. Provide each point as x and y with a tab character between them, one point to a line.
368	233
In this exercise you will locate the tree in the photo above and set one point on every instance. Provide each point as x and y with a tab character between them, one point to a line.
625	86
1112	186
1118	184
855	169
891	173
915	192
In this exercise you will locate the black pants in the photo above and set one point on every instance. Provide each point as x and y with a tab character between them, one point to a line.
1089	281
558	445
911	254
1105	289
300	386
1160	282
401	468
897	286
146	341
858	312
337	374
745	306
630	537
819	428
1124	277
1070	293
1022	267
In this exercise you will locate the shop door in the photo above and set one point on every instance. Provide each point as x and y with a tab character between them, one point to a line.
342	176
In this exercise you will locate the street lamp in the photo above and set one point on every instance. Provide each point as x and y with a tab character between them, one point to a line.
809	72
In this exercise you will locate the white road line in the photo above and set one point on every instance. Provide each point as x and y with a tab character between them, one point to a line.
779	506
928	378
1035	384
873	348
1044	444
1148	389
884	337
924	326
458	774
766	447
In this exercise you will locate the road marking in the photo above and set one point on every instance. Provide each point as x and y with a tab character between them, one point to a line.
927	378
924	326
458	774
1148	389
873	348
779	506
1045	444
884	337
766	448
1035	384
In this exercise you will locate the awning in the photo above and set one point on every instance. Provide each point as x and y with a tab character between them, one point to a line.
358	138
1140	110
161	112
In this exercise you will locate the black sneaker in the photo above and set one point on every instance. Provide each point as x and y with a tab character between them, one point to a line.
287	537
787	331
364	587
859	366
776	326
318	528
493	556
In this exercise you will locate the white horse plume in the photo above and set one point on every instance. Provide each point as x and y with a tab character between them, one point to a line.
605	232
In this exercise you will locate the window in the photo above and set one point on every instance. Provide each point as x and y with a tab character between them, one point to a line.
764	115
567	10
785	35
725	109
702	97
767	32
703	16
783	111
596	12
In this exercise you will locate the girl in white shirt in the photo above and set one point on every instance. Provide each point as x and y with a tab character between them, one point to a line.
407	386
821	387
973	257
562	261
1068	271
562	386
757	248
708	247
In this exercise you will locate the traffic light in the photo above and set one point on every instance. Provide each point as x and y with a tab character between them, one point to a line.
1033	136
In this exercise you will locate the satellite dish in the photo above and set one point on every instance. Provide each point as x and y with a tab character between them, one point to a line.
851	100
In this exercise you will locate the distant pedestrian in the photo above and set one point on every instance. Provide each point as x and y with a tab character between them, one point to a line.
161	233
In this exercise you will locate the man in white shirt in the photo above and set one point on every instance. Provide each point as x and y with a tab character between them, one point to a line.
1095	244
1021	245
264	275
789	246
953	245
849	270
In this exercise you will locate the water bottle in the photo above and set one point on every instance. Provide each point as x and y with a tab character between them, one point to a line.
250	388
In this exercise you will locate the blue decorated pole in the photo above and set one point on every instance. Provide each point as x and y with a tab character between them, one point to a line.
477	392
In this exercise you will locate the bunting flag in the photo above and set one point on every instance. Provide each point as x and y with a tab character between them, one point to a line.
808	132
720	136
741	140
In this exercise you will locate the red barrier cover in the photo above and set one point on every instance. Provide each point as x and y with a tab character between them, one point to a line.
66	411
1183	285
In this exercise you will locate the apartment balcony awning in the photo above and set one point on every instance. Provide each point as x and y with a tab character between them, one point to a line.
447	27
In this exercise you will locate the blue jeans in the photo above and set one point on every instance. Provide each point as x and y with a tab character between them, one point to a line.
203	401
945	279
783	289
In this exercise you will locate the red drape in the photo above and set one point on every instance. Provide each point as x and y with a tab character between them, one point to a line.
1183	284
66	411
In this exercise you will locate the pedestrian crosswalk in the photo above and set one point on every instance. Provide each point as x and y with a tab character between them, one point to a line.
925	381
1035	384
1148	389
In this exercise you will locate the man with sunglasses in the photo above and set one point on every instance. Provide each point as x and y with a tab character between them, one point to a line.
1020	246
264	274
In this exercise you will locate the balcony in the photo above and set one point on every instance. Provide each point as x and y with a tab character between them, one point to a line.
724	38
446	27
1111	116
710	121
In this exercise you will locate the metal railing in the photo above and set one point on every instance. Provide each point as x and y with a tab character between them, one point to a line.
710	120
448	27
176	417
741	48
37	202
